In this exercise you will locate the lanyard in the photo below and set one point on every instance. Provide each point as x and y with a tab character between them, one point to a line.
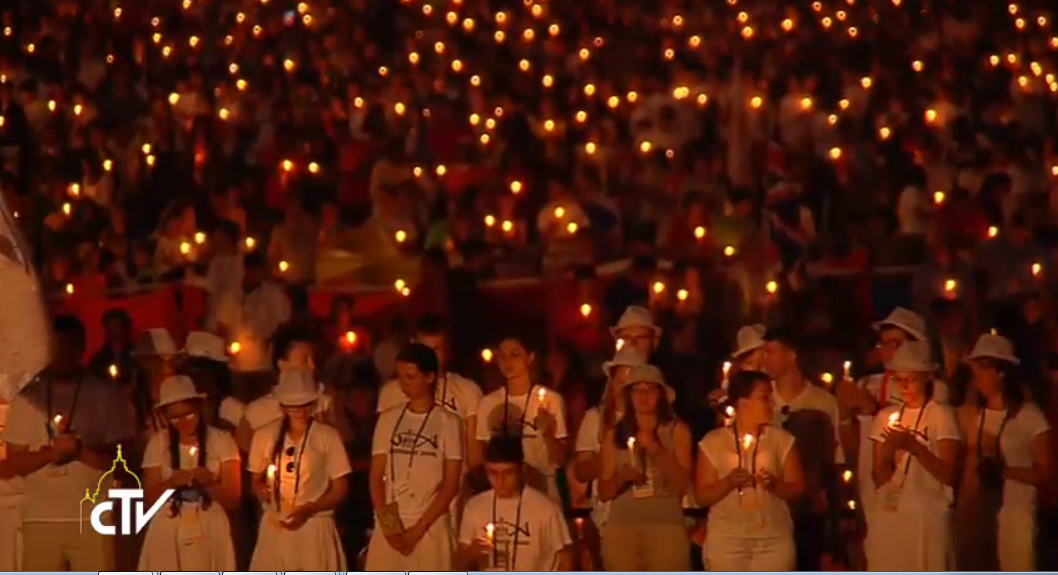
999	435
414	445
513	565
444	391
507	407
49	406
900	418
883	392
756	447
297	465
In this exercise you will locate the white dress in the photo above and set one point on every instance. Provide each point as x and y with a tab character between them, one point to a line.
910	529
197	538
10	512
321	458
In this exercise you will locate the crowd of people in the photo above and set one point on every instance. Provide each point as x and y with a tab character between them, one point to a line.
776	176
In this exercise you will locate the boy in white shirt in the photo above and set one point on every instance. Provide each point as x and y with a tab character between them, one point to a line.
512	527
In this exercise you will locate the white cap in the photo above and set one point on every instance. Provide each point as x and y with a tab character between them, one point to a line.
176	389
646	373
157	341
906	320
635	316
296	387
914	356
626	356
992	346
206	346
750	337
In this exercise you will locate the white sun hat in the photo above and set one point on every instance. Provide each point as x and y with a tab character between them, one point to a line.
750	338
157	341
905	319
297	387
176	389
205	345
913	356
991	346
626	356
635	316
646	373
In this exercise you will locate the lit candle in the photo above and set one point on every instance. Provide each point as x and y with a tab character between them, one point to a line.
486	355
57	422
1036	268
270	473
283	267
235	348
350	337
113	371
192	451
578	523
852	505
747	441
894	419
585	310
848	370
632	447
827	378
726	369
490	533
541	395
847	476
950	285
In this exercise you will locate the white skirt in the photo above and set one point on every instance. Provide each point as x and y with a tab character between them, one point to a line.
313	547
1016	539
195	540
433	553
910	539
10	534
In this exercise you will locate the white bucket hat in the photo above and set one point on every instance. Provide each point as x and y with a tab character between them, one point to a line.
992	346
205	345
635	316
905	319
912	356
296	387
750	338
157	341
646	373
626	356
176	389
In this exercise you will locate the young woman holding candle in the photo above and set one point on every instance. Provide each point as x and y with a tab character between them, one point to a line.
915	447
417	461
1008	459
299	469
748	473
535	413
646	470
201	463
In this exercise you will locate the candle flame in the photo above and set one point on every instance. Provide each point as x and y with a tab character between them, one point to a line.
747	441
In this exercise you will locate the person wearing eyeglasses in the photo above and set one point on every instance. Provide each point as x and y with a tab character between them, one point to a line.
1008	458
299	469
417	461
201	463
915	448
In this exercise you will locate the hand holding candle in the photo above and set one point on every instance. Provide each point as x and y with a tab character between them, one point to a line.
490	534
894	420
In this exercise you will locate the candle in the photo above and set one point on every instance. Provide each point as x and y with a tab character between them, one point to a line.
632	447
113	371
619	344
852	505
486	355
270	473
847	476
726	368
490	533
848	370
192	451
1036	268
57	422
235	348
827	378
747	441
578	523
585	310
541	395
894	419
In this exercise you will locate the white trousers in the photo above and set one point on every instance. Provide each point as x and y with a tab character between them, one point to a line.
10	536
725	553
1017	539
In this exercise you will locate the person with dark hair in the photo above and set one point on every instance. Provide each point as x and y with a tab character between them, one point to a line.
205	361
512	527
810	412
116	350
915	448
748	474
646	470
263	308
455	393
62	432
224	278
201	463
300	475
416	467
1008	457
533	412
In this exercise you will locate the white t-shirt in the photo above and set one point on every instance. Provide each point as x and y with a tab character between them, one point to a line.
757	513
224	284
931	425
455	393
540	531
589	440
263	311
520	412
812	398
1016	446
231	410
323	460
416	446
220	448
10	489
266	409
53	493
910	211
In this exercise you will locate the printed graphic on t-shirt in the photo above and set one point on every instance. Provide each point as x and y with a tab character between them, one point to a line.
409	442
511	420
448	403
509	538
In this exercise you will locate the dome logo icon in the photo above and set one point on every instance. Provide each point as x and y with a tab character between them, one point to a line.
130	499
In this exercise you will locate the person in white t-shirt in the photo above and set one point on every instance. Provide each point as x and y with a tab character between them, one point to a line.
11	493
416	464
635	328
201	463
749	349
300	474
535	413
587	464
1008	457
915	446
263	308
455	393
912	207
224	279
512	527
747	474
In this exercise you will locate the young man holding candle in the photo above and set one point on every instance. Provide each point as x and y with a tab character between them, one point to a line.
61	434
636	328
512	527
417	461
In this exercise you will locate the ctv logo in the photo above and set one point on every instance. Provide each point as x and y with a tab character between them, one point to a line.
129	498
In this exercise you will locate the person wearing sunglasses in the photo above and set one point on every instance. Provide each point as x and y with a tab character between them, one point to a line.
201	463
417	460
299	468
